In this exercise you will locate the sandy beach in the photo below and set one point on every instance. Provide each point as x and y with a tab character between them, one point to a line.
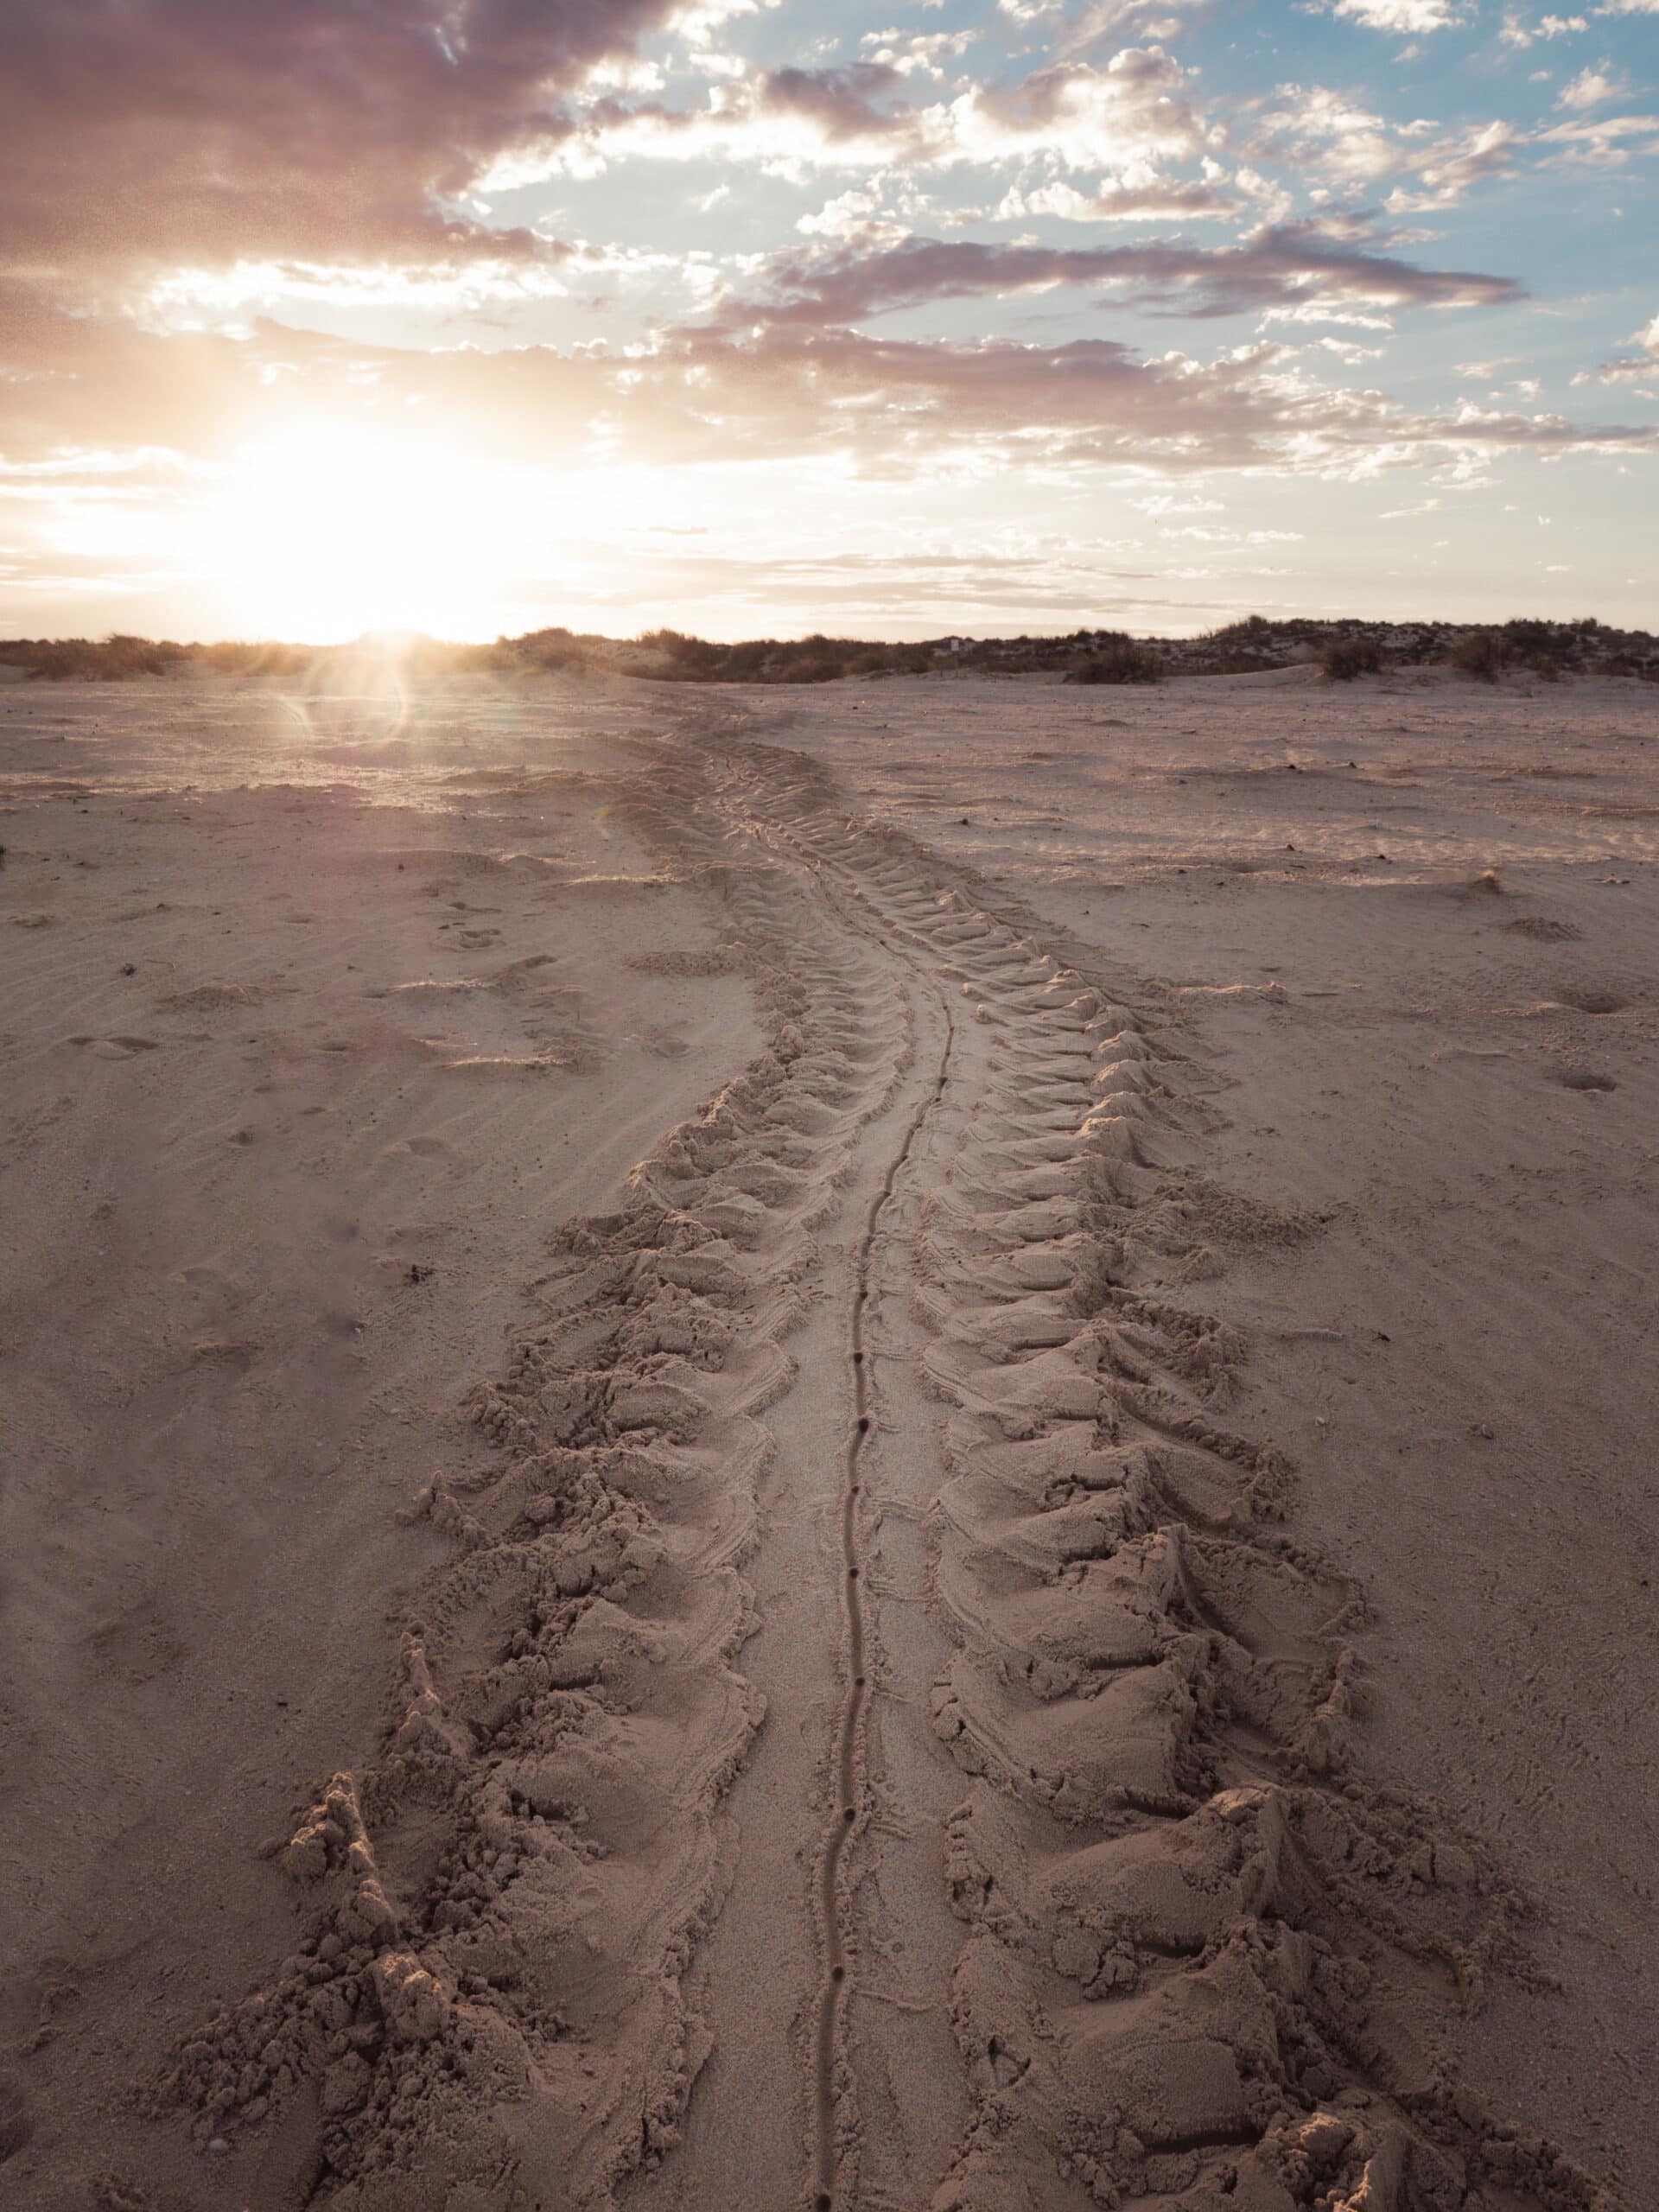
881	1445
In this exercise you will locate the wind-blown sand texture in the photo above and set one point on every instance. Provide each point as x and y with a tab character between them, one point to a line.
884	1448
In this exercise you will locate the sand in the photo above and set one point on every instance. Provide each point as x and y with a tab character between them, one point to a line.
886	1445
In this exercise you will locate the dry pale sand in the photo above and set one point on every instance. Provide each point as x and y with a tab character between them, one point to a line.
887	1447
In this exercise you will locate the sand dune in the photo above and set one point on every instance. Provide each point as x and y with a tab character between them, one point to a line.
887	1453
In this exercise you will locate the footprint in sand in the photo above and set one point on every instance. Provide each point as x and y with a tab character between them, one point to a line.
236	1353
202	1275
115	1048
209	998
503	1064
427	1147
136	1646
1543	928
16	2121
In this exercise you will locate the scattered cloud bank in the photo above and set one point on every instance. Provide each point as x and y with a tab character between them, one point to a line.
1301	266
787	389
1132	111
214	218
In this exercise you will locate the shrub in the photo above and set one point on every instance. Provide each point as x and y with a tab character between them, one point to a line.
1344	658
1484	654
1250	629
1120	661
1548	649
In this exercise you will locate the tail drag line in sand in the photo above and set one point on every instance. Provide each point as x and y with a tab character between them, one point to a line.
838	1984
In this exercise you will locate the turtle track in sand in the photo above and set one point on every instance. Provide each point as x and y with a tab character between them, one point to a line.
1200	1964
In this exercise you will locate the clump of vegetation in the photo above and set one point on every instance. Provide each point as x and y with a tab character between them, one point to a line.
1552	650
816	660
1242	648
1253	630
62	660
1344	658
1343	648
1117	659
1482	654
117	658
541	652
1545	648
241	657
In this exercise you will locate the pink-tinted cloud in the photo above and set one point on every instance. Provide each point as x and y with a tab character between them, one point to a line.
837	104
1135	110
899	403
143	131
1642	365
1327	135
1281	265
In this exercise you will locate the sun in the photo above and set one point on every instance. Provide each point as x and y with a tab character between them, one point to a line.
326	532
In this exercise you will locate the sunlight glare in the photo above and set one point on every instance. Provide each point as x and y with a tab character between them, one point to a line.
327	534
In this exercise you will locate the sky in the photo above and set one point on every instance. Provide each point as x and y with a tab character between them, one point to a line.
766	316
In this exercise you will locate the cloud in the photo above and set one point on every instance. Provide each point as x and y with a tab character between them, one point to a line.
852	213
1135	109
1591	88
1326	134
839	104
1515	32
1412	18
1149	198
918	54
901	403
1602	143
1448	171
1205	534
162	130
1643	363
697	22
1293	265
1112	19
1070	114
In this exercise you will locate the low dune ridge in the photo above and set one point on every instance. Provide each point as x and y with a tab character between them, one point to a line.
946	1551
